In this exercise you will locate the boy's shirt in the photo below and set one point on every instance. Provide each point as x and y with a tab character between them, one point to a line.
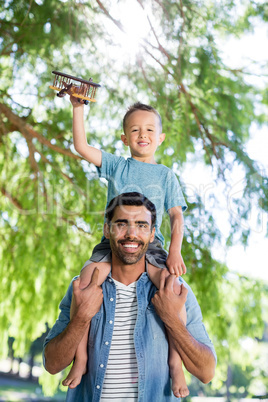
157	182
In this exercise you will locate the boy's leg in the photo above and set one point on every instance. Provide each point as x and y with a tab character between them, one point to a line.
79	366
101	258
80	361
179	386
87	271
100	252
154	274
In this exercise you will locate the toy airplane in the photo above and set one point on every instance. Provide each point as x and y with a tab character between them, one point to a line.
84	90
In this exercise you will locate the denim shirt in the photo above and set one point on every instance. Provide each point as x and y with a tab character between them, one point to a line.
150	339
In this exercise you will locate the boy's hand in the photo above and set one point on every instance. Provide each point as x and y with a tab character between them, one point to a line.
75	101
175	263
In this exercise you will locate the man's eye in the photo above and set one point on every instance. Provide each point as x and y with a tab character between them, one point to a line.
143	226
121	225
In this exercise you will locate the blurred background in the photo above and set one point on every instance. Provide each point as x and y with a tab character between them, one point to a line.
203	66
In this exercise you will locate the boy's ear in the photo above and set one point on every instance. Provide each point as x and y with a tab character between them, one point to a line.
161	138
106	230
124	139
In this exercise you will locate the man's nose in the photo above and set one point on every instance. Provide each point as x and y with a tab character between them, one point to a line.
131	231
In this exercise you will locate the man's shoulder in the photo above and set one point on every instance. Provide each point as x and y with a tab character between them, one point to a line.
191	298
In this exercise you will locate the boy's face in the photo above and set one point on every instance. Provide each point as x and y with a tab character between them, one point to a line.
143	134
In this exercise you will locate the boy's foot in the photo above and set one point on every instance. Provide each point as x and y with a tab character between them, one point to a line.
74	377
179	386
181	391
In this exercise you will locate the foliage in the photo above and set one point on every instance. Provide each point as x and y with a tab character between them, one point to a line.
52	202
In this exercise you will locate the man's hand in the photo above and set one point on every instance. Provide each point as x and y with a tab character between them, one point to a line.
167	303
87	301
175	263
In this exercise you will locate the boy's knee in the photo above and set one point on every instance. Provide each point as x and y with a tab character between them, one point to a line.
85	275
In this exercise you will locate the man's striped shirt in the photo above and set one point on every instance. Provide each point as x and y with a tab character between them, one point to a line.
121	376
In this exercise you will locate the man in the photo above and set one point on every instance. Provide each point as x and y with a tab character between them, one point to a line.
127	316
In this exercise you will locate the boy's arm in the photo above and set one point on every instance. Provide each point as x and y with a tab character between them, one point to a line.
175	261
91	154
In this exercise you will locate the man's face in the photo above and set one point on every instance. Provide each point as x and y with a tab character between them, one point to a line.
130	233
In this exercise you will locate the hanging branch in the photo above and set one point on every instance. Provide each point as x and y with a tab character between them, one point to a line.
13	200
181	37
106	12
26	130
160	47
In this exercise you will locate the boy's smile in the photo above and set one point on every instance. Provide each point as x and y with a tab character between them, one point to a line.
143	135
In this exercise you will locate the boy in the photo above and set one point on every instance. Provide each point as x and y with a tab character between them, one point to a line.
143	134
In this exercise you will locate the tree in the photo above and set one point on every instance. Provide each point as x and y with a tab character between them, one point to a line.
52	203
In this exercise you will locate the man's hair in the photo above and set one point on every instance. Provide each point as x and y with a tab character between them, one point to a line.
140	106
133	199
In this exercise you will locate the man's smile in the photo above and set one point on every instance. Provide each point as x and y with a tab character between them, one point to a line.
130	246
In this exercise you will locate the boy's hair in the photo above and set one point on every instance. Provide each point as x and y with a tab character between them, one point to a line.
140	106
132	198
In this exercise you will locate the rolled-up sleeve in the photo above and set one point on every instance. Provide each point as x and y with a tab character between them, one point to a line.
63	318
195	323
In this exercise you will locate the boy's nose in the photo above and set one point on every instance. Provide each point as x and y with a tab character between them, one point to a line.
143	133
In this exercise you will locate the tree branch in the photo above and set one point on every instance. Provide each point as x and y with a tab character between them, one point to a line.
106	12
13	200
26	130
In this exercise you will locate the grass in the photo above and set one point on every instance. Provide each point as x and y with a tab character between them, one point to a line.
18	390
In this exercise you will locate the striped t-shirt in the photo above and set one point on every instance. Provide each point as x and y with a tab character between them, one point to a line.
121	376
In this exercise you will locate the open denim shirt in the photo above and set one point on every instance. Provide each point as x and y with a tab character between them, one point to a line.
151	343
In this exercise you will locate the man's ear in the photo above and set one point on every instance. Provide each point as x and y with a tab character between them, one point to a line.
124	139
106	230
152	235
161	138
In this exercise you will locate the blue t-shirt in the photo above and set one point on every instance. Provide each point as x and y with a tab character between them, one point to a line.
157	182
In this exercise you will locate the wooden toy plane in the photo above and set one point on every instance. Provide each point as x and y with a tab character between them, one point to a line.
84	90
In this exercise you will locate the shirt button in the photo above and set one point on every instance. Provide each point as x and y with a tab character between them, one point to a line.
101	365
98	386
110	280
111	299
106	343
110	322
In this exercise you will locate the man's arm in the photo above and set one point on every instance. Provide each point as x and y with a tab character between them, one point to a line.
197	357
175	261
60	351
91	154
